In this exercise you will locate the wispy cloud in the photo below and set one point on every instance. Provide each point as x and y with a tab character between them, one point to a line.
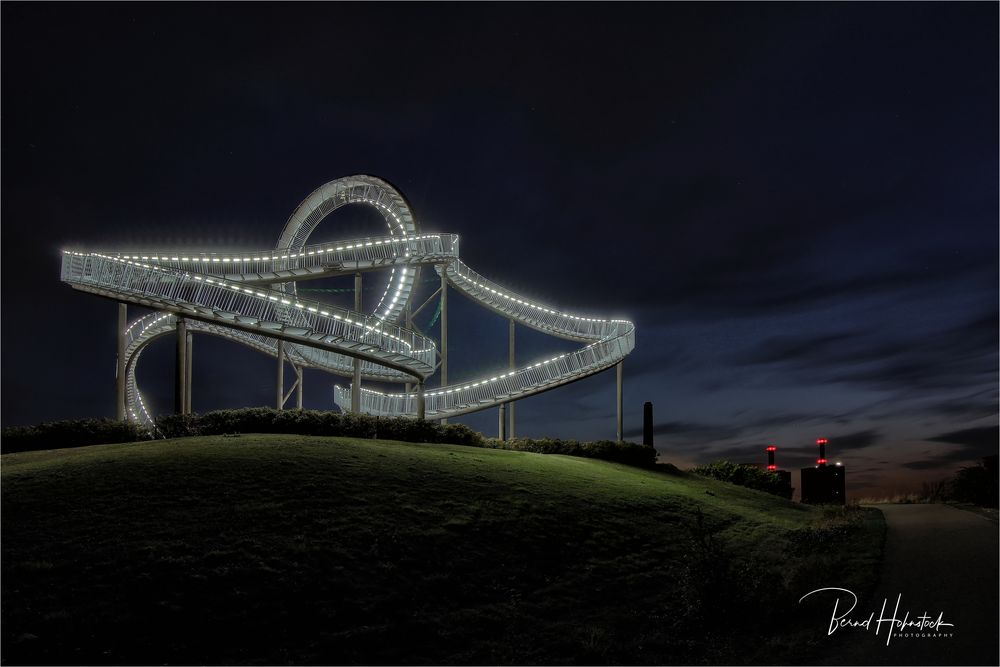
978	438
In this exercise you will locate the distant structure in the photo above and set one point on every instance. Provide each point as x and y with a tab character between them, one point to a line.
824	484
251	297
784	475
647	424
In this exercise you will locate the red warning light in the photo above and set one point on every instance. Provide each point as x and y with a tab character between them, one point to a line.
772	448
821	462
772	467
822	441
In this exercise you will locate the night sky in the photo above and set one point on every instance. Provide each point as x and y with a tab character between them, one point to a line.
796	203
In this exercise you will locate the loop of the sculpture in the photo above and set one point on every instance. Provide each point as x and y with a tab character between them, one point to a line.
360	189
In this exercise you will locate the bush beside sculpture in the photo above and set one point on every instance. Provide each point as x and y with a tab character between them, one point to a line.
629	453
307	422
70	433
743	474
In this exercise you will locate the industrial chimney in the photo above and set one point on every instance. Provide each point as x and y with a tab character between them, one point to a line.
824	484
784	475
647	424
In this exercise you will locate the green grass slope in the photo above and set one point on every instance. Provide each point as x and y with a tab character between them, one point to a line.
293	549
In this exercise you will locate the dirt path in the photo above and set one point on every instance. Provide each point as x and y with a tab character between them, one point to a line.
941	560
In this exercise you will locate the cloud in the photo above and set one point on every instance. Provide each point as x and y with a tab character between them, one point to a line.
979	438
967	409
691	431
746	279
974	443
956	358
818	347
856	440
823	350
701	434
929	464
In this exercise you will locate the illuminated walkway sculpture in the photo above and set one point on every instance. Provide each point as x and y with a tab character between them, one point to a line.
251	298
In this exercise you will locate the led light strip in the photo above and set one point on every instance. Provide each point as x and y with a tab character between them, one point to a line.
609	339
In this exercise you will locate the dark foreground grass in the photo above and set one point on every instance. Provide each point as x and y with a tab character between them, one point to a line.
293	549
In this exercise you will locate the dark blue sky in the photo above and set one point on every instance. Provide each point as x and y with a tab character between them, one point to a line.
796	203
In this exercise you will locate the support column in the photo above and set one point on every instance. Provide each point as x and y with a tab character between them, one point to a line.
356	381
298	387
280	386
444	328
502	423
620	430
511	366
180	367
408	321
120	363
188	366
421	406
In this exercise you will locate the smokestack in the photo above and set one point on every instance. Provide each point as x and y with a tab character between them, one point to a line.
821	461
771	449
647	424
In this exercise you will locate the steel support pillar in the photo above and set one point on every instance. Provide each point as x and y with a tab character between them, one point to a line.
408	322
356	381
280	385
300	372
188	371
180	367
510	366
120	363
619	366
502	423
421	405
444	328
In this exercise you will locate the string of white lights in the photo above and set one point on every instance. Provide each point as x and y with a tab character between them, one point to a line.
251	297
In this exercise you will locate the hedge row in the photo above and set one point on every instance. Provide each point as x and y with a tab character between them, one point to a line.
629	453
315	422
743	474
70	433
306	422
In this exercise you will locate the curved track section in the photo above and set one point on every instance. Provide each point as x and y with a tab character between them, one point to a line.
284	266
253	310
370	190
149	328
610	341
251	298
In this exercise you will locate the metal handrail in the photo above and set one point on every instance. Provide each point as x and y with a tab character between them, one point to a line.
528	311
365	336
148	328
251	297
462	398
335	257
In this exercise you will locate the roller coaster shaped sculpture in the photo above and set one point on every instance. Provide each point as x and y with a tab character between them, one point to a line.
252	298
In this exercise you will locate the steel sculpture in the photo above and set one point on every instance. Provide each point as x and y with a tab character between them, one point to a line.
252	298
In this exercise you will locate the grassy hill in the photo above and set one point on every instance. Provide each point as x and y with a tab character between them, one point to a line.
294	549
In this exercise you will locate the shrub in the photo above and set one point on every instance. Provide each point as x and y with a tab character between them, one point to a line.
177	426
743	474
976	484
315	422
460	434
628	453
310	422
70	433
720	587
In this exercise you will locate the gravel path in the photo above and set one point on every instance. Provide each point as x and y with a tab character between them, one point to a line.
941	560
